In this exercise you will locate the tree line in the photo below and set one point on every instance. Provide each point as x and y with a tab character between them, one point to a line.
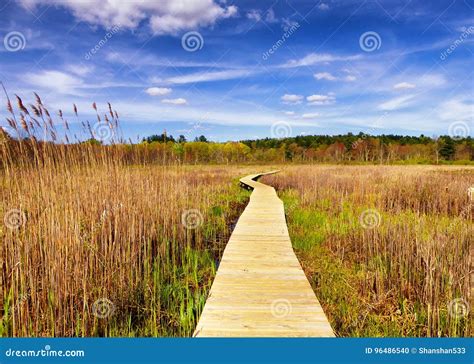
317	148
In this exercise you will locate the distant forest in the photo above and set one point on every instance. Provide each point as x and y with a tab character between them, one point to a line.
164	149
320	148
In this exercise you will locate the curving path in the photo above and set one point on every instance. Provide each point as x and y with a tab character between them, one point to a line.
260	289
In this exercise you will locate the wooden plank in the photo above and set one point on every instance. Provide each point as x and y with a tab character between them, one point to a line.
260	289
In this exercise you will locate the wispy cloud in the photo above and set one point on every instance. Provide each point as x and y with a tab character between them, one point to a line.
210	76
397	103
158	91
315	58
404	86
254	14
179	101
80	69
292	99
55	80
321	99
457	109
310	115
323	6
324	76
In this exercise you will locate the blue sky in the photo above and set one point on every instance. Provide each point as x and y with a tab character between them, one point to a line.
205	67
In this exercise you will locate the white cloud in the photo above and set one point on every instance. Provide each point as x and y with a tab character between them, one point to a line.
330	77
55	80
432	80
164	16
323	6
350	78
315	58
289	113
288	24
79	69
209	76
321	99
270	17
254	15
456	109
324	76
158	91
310	115
291	99
179	101
404	86
396	103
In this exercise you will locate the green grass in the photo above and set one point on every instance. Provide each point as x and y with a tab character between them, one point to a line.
346	284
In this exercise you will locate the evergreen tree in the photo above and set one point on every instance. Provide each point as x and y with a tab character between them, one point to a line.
447	148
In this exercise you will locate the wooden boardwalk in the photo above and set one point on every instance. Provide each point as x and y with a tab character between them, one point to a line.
260	289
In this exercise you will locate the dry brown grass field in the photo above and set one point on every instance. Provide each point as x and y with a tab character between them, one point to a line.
102	248
387	249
